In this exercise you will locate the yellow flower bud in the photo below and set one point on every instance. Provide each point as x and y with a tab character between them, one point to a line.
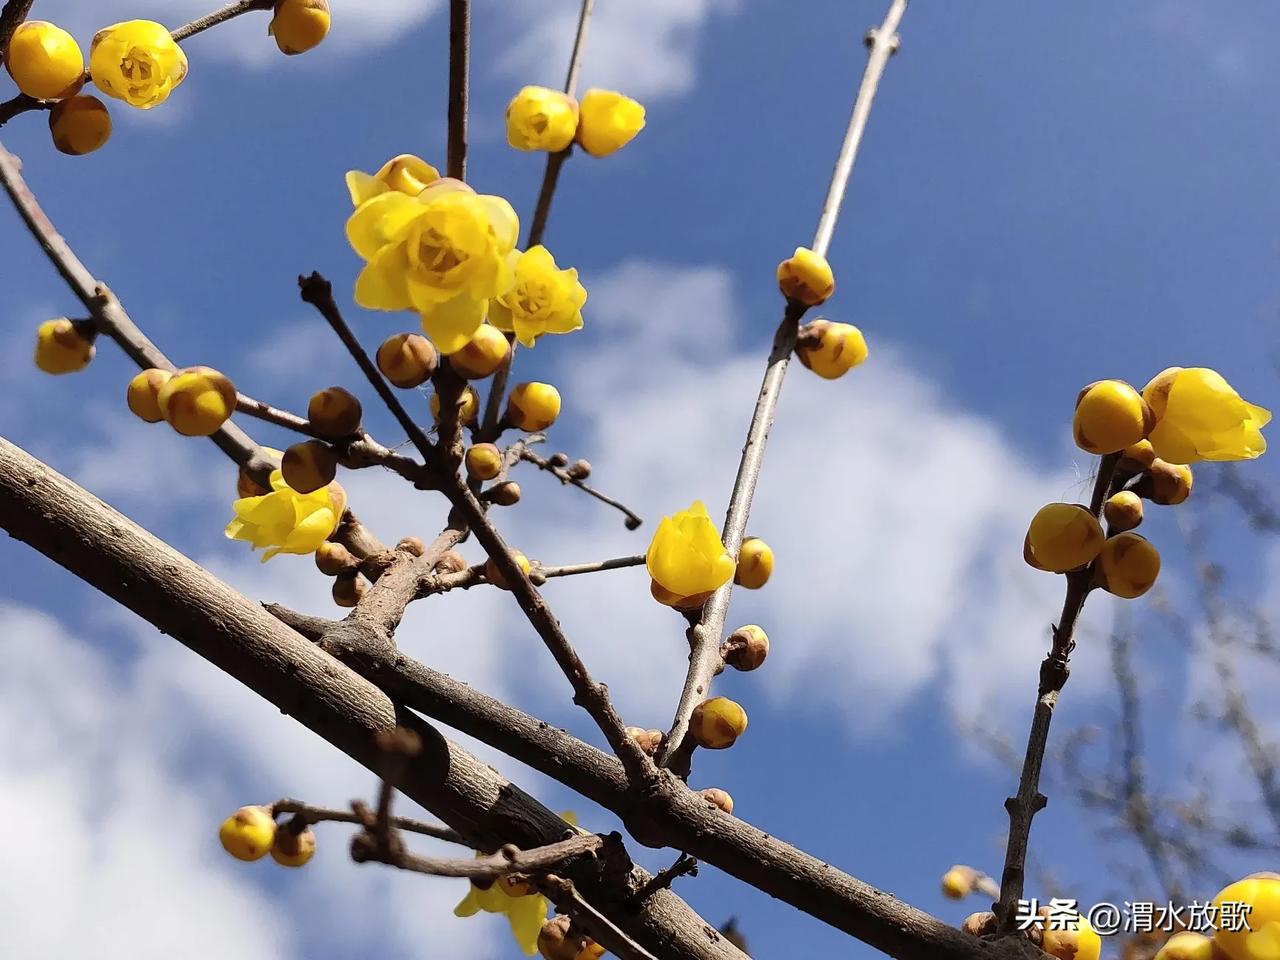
335	413
533	406
61	347
805	277
484	461
407	359
1123	511
494	575
44	60
293	849
1128	565
686	556
79	125
1199	416
143	394
299	25
590	950
755	564
648	740
608	121
1136	458
718	798
717	723
468	406
1063	536
138	62
483	354
197	401
348	588
1080	943
1260	939
539	118
333	559
830	349
980	924
746	648
1186	946
1110	415
248	833
1167	484
309	465
958	882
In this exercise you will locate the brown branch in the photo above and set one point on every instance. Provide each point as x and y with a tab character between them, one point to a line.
12	14
1054	672
705	636
685	865
228	12
459	68
632	520
312	814
538	573
186	602
509	859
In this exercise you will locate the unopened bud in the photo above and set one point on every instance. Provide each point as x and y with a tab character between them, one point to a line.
334	412
558	459
248	833
333	559
348	588
451	562
717	723
648	740
63	346
1123	511
197	401
495	576
143	394
407	359
482	355
1128	565
958	882
1187	945
309	465
412	545
555	942
718	798
504	494
579	470
755	564
1110	416
746	648
1167	484
979	924
293	848
1136	458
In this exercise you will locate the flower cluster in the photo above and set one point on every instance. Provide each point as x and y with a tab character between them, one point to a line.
251	833
1181	417
539	118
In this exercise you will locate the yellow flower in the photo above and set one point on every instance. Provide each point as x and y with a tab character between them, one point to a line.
1199	416
287	521
442	253
545	299
686	555
61	347
44	60
299	25
806	277
526	914
1260	939
406	173
137	62
79	125
608	121
539	118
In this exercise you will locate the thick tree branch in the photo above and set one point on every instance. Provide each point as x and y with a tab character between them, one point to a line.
705	636
106	549
12	14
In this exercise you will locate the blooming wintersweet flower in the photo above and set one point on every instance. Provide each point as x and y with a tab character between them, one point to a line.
1199	416
525	914
137	61
545	299
405	173
443	253
539	118
286	521
686	555
608	121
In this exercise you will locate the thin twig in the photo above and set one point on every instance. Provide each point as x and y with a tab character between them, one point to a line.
222	15
12	14
459	68
632	520
506	861
538	574
314	814
663	879
1054	672
705	636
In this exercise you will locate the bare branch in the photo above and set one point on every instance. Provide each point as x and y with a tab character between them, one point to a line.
313	814
12	14
632	520
509	859
459	68
705	636
222	15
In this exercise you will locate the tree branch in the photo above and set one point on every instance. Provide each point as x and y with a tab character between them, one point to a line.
459	68
632	520
222	15
312	814
705	636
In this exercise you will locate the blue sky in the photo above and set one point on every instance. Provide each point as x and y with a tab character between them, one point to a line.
1047	195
